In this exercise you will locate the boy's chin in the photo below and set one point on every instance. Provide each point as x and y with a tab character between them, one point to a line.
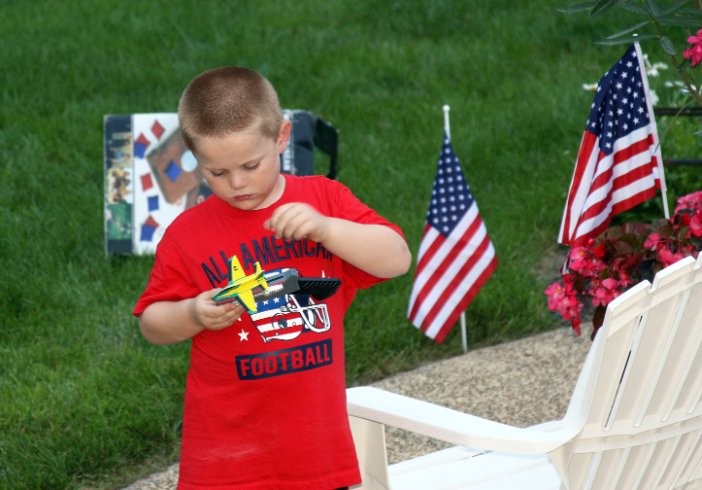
247	204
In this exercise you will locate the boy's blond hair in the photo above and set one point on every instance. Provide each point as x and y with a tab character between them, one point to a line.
226	100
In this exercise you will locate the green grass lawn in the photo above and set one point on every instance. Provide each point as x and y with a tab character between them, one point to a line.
84	400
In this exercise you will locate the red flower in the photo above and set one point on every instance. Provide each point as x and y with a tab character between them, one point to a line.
696	224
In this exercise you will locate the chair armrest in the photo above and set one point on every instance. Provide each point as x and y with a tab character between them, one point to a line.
453	426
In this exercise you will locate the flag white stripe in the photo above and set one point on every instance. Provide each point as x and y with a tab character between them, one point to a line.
618	170
449	305
450	271
576	209
595	196
436	261
427	241
619	195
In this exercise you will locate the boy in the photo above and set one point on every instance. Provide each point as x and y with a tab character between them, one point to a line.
265	404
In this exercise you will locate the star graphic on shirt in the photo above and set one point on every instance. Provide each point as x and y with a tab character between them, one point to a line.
243	335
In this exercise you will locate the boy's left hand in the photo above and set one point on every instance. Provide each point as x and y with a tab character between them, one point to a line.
295	221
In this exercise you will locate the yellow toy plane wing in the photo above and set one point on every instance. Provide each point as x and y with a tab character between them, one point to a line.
247	300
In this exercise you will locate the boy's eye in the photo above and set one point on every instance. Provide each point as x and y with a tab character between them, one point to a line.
252	167
217	173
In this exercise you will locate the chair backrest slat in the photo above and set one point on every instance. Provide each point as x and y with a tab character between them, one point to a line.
643	424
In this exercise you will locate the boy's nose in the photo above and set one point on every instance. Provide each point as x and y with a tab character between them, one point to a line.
237	181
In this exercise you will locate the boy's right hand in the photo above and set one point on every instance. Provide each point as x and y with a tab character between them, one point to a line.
211	316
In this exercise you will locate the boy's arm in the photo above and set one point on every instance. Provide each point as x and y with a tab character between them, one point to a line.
375	249
168	322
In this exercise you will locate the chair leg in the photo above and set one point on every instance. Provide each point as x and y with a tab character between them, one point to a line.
369	438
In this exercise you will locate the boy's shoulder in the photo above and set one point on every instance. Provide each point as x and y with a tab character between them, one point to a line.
306	183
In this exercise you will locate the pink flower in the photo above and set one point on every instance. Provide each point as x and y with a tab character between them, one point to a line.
604	291
555	293
563	300
585	262
691	201
694	52
652	241
667	257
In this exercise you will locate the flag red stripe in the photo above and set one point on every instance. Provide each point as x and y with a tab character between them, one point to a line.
448	288
447	263
427	255
449	258
615	184
430	322
626	204
587	144
466	301
620	158
617	208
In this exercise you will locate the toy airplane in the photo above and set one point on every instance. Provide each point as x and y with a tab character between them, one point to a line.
264	286
241	286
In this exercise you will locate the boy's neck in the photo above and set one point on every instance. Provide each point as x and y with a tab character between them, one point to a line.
275	194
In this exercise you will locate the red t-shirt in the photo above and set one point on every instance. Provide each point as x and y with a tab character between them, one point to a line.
265	401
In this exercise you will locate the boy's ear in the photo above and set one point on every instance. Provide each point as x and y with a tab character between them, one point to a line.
284	135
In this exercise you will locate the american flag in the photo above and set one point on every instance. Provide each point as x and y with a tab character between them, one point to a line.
619	163
456	256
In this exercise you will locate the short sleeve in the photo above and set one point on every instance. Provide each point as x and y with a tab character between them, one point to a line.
169	279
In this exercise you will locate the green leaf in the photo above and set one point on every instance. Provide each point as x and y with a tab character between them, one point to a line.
676	6
625	39
634	7
628	30
653	8
668	46
602	7
691	13
678	21
685	65
578	7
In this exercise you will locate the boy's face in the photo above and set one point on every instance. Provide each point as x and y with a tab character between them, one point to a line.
243	168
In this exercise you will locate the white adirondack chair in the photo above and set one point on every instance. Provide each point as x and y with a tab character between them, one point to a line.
634	420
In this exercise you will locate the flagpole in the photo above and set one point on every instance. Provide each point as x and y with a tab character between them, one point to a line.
447	130
649	105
